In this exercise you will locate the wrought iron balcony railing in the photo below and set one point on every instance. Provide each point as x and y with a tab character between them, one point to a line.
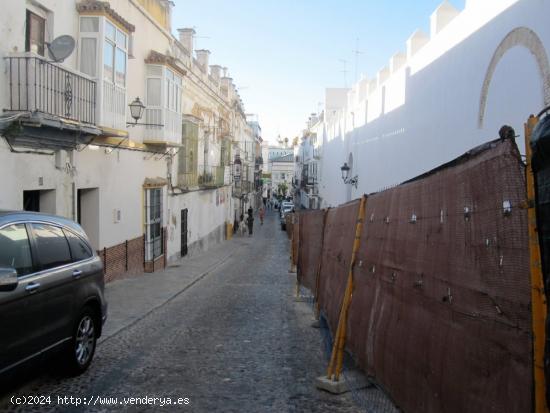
211	176
36	85
188	180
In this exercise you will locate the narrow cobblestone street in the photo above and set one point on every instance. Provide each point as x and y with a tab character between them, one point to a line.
236	341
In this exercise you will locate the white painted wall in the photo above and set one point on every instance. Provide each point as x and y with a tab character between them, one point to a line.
426	112
208	211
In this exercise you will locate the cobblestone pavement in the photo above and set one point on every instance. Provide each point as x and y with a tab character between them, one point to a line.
236	341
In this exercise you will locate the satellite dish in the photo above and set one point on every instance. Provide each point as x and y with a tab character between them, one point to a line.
61	48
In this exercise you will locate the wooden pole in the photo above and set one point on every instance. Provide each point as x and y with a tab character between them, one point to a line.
538	296
337	356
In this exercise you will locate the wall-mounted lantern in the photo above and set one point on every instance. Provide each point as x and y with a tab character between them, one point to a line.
346	178
136	111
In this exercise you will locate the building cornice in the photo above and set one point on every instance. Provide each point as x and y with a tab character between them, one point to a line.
156	58
103	8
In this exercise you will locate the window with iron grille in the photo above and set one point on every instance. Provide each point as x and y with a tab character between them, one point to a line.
153	224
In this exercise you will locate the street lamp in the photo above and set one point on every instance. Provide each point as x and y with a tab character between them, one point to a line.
345	176
136	111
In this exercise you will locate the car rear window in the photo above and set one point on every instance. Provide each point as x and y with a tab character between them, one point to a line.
52	246
80	250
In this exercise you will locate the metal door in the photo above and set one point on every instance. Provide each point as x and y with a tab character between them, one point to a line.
184	232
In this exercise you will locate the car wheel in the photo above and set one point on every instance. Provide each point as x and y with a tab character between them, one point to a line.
83	342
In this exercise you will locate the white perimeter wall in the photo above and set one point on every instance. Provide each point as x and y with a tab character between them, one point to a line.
426	113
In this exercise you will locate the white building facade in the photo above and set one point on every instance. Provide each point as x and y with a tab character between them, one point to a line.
146	190
282	174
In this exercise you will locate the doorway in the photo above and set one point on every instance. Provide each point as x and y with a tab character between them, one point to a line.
183	249
87	213
31	201
40	201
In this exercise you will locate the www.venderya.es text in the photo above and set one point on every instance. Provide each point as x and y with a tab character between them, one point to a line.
93	400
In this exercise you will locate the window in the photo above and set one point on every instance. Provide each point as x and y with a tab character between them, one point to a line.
52	247
163	88
114	54
120	66
15	250
80	250
153	223
153	92
35	33
173	91
89	38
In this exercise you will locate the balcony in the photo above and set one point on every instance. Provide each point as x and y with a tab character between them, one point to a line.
39	86
211	176
188	181
242	188
113	106
170	134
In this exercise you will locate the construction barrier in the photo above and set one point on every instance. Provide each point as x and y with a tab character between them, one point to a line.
311	240
440	302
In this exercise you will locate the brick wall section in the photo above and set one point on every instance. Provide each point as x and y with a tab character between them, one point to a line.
127	259
160	262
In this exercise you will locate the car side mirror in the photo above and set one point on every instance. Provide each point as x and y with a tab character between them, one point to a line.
8	279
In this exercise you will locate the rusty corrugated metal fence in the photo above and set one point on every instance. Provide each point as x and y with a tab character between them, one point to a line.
440	314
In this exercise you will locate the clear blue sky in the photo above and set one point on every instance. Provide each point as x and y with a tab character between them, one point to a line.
283	53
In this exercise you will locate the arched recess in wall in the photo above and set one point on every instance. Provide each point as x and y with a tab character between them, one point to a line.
520	36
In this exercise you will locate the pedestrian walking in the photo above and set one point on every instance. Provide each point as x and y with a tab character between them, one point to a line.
262	214
250	223
242	226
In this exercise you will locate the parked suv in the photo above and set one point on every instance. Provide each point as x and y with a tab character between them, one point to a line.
51	291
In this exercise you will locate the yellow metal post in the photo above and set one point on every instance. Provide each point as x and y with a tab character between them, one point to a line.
538	297
337	356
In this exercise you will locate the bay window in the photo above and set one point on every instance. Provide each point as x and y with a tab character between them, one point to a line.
164	104
164	88
103	54
114	43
